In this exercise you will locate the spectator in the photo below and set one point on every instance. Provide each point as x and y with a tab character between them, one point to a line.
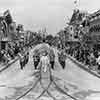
62	59
22	63
52	60
16	50
36	60
26	57
92	61
1	56
10	52
5	58
98	62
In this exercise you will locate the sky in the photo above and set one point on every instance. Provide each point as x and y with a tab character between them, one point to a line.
50	14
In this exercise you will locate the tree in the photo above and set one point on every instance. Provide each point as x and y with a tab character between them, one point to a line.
55	40
49	39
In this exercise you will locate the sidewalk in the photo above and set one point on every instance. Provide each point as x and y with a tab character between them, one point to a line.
5	66
83	66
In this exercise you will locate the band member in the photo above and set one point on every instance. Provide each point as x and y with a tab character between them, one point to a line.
26	57
52	61
36	60
98	61
22	63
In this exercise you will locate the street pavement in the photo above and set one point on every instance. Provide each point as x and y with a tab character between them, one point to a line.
73	80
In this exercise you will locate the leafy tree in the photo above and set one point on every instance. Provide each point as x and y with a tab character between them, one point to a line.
49	39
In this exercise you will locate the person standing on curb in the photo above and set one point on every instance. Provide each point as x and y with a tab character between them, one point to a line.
62	59
98	62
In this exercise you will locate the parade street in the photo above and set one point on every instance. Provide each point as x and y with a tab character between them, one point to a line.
49	50
77	82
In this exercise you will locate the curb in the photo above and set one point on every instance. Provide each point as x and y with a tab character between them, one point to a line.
80	65
9	64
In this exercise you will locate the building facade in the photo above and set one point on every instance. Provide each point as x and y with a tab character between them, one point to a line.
94	29
7	30
95	26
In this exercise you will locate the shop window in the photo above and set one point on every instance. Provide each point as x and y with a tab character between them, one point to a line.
95	28
75	36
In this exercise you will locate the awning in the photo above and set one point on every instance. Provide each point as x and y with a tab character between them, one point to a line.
5	39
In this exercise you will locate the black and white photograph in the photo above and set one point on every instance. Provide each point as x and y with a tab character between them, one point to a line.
49	49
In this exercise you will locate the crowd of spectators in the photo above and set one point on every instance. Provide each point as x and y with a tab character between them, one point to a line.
10	53
90	57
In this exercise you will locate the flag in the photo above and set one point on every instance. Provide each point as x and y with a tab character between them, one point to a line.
6	12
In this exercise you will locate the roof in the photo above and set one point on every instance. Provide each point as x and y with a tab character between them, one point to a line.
77	16
95	14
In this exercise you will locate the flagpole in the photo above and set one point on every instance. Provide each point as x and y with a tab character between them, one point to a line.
76	4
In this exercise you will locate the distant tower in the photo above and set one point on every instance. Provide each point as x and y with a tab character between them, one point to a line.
44	31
